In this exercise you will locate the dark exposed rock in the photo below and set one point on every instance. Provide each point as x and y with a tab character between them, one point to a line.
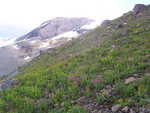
105	22
138	8
118	26
82	31
33	33
8	84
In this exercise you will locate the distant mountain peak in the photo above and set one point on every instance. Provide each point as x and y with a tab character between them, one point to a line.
56	26
50	34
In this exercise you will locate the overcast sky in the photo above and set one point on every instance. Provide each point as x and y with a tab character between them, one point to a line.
27	14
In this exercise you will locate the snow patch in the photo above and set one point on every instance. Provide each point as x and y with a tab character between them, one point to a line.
27	58
69	34
15	47
33	41
44	45
91	25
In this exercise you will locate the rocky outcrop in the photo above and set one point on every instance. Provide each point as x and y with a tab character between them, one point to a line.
56	27
8	84
105	22
139	7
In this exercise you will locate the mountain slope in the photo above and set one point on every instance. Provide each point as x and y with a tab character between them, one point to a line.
106	71
29	46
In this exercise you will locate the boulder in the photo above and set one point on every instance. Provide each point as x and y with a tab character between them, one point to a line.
130	79
116	108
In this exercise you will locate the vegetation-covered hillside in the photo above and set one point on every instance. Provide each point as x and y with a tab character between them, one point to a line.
107	70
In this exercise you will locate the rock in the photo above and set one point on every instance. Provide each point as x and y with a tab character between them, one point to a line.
80	100
125	109
125	23
129	80
46	92
106	91
8	84
74	77
62	104
118	26
105	22
113	46
125	32
136	75
109	87
116	108
148	74
77	82
97	80
142	110
138	8
15	82
82	31
148	110
131	111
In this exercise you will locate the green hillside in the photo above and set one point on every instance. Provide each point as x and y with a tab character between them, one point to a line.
103	68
